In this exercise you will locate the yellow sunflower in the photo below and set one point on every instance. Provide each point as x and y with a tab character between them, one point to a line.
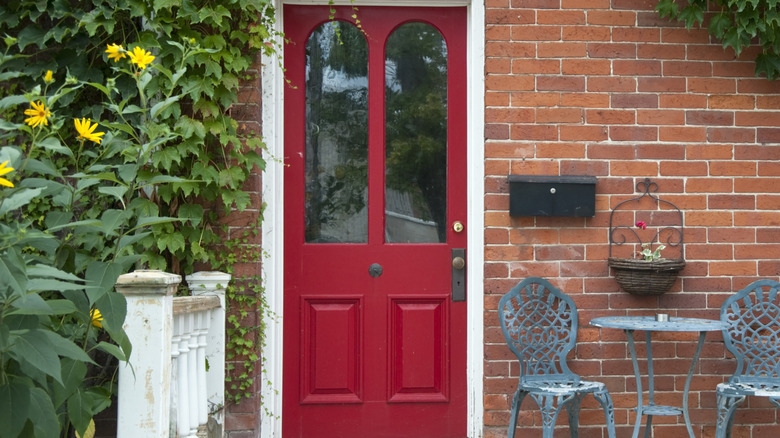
86	130
141	57
115	52
39	114
96	318
3	171
48	77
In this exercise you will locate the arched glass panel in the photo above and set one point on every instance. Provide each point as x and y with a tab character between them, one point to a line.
336	135
416	135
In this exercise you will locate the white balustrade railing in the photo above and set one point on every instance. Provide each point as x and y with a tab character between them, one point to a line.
174	383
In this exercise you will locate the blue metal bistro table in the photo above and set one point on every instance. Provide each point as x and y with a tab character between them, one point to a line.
649	324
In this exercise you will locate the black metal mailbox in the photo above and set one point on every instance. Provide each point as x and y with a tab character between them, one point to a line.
565	195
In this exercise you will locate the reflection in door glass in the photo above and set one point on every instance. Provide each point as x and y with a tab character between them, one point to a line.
336	134
416	135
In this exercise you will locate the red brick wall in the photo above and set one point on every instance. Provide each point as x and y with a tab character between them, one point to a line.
242	420
608	89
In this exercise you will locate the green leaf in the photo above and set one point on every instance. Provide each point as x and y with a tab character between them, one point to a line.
124	127
113	220
32	347
73	373
45	422
51	272
172	242
10	101
146	221
719	24
160	106
691	14
214	15
53	144
165	157
30	304
12	273
112	350
79	411
231	177
769	64
131	239
47	284
101	277
31	34
19	199
101	87
191	212
189	127
113	307
87	222
66	348
14	407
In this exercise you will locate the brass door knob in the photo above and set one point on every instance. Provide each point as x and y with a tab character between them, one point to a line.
458	263
457	226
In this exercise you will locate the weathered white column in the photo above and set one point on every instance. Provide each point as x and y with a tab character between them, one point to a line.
143	400
213	283
182	377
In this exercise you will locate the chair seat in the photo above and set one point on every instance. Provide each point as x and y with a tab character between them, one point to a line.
561	387
762	389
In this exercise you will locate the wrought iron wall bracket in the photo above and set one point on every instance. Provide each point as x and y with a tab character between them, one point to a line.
672	233
636	275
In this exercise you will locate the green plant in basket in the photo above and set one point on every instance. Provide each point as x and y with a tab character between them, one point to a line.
648	253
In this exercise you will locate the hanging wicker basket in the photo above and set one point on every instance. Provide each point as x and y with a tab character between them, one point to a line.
642	277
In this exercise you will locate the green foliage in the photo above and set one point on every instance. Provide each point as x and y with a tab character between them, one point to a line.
737	23
150	193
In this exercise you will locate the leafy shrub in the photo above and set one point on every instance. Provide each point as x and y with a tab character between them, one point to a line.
116	118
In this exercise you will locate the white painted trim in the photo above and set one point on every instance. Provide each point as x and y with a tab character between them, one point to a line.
273	239
273	226
476	214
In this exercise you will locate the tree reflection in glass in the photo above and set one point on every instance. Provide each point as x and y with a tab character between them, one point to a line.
336	134
416	135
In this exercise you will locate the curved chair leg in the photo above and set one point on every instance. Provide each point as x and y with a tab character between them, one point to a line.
551	406
517	399
605	400
573	409
727	405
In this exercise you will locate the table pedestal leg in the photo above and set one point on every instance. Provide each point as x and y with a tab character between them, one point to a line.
630	337
650	383
688	383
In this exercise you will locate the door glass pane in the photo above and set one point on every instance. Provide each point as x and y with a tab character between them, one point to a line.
336	134
416	135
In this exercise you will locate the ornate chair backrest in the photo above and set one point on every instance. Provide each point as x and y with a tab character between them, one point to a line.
752	332
540	327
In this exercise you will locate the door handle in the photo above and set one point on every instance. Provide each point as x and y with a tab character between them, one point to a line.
458	274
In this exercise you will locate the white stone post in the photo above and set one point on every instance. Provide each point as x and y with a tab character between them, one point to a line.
213	283
144	384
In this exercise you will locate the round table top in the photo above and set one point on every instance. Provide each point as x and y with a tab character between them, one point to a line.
648	323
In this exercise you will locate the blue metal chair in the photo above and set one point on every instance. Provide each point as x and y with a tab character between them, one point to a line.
751	332
540	327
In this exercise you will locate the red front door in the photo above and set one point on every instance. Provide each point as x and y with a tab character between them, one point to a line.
375	196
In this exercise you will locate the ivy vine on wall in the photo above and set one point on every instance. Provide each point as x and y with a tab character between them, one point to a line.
737	24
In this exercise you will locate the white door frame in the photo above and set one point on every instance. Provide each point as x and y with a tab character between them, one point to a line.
273	225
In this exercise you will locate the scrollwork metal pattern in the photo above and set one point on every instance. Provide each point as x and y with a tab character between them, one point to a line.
673	233
752	319
539	323
752	335
539	326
